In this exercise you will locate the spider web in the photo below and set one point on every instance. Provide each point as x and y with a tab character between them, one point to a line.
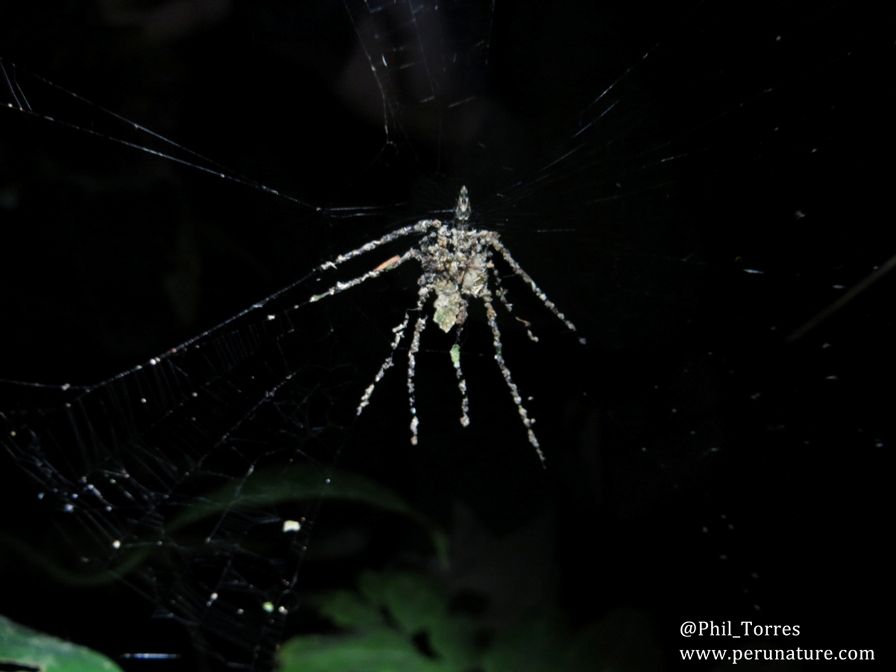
165	475
616	157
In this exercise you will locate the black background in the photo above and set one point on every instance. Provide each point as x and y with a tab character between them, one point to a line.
707	459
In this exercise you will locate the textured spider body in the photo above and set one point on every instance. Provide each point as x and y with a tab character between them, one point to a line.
457	266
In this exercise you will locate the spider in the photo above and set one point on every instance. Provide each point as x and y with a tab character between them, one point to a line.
457	263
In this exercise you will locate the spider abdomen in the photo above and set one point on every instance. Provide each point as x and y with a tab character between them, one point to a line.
455	267
449	307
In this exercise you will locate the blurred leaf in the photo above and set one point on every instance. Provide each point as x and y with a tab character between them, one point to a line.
27	648
414	601
398	621
401	621
419	604
454	639
307	482
380	650
70	575
349	610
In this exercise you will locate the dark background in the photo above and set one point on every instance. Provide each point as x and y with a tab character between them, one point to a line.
708	458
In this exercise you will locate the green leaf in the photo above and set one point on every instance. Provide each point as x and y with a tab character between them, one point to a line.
415	601
348	610
27	648
396	620
67	575
309	482
419	604
454	640
381	650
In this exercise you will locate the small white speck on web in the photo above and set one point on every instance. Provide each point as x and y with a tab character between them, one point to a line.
116	544
291	526
268	607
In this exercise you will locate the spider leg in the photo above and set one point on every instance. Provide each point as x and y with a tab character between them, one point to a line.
502	297
393	263
461	381
419	326
498	246
420	227
505	371
399	332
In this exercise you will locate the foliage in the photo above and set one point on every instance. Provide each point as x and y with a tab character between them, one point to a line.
407	622
23	648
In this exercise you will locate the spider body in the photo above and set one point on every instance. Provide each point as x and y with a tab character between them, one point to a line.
458	267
